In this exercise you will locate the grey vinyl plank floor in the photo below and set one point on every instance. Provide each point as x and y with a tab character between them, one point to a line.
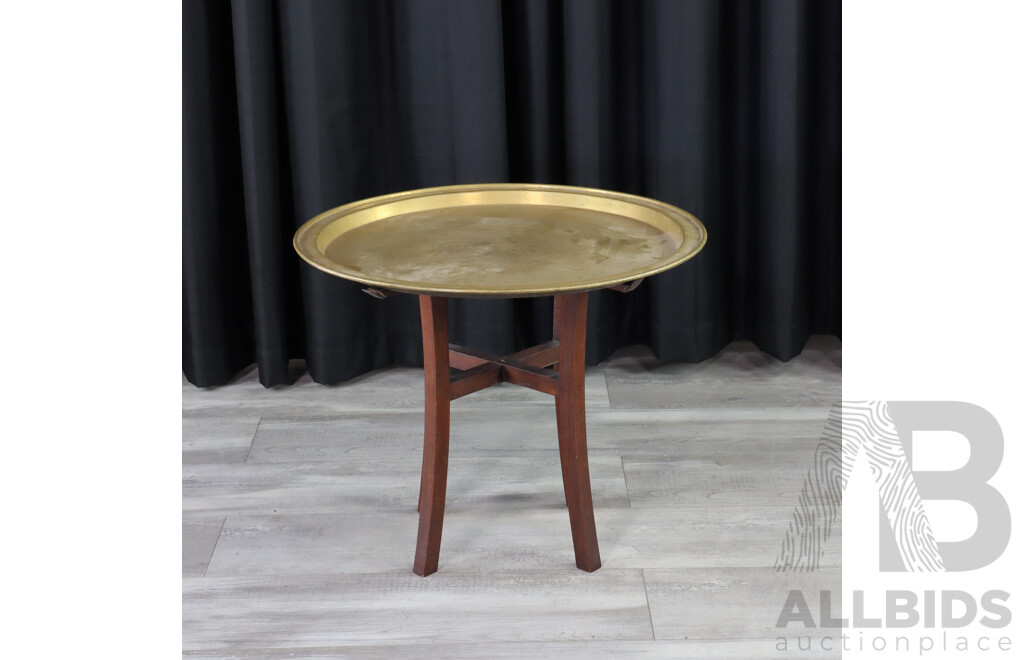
199	534
733	649
740	376
722	479
398	388
482	431
299	521
510	540
731	603
225	438
386	482
392	608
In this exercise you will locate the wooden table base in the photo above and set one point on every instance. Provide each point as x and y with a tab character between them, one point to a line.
529	368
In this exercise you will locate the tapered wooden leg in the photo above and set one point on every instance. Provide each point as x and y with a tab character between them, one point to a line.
434	478
570	330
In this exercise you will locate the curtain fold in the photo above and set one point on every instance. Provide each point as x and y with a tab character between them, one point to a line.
729	109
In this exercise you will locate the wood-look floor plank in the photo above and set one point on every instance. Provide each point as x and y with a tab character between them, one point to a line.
508	539
739	376
224	438
361	610
733	649
734	603
772	476
386	482
199	533
707	536
479	431
398	388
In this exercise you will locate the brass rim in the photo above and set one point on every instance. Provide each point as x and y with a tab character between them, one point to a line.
308	245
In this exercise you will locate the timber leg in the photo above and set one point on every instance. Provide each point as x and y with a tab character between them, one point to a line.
570	330
434	478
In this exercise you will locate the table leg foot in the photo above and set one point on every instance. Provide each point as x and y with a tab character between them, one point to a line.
434	477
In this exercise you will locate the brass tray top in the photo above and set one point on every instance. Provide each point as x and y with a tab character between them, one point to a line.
500	240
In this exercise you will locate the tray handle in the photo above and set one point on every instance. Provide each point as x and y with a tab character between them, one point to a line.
626	287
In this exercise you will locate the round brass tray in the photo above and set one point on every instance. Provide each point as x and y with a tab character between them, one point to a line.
500	240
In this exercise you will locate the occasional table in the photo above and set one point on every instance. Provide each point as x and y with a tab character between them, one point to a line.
502	241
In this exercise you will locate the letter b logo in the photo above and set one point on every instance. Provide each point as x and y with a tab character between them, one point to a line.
967	484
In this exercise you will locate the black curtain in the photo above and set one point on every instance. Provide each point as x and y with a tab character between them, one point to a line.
729	109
